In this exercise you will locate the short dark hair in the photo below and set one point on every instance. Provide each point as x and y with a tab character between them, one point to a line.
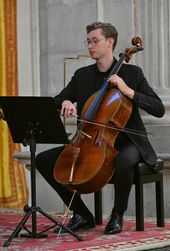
108	30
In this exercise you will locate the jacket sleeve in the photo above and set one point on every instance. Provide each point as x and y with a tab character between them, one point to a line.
68	93
145	98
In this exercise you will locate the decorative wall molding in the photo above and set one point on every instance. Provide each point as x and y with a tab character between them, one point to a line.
100	10
152	22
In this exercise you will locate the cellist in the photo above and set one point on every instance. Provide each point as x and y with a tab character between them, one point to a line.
130	80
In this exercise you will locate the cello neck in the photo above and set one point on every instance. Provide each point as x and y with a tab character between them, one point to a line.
118	64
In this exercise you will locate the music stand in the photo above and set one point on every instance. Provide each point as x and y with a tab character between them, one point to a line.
33	120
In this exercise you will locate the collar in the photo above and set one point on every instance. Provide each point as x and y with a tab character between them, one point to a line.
106	73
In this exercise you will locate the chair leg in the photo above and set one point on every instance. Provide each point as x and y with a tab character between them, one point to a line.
139	205
98	207
160	202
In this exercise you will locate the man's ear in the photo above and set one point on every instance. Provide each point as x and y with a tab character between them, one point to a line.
111	42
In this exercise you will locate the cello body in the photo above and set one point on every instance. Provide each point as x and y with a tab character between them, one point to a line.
87	164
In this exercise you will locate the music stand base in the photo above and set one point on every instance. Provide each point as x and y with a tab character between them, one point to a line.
32	211
37	236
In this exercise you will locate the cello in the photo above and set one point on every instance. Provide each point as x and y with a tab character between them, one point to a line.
87	162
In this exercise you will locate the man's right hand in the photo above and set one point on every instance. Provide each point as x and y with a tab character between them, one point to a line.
68	109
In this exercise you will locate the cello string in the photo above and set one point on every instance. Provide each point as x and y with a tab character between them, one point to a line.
66	213
89	114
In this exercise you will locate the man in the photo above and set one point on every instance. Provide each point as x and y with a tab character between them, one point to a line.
130	80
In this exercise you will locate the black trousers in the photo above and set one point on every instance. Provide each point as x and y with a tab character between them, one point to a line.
126	159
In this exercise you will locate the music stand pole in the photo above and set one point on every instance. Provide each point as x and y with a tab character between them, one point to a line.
31	142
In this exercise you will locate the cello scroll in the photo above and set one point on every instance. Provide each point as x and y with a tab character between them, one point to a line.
138	46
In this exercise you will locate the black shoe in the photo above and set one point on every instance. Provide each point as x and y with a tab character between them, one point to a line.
115	224
78	222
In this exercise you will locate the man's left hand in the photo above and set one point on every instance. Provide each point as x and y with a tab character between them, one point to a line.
121	86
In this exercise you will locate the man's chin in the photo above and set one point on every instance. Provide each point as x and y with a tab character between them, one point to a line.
93	56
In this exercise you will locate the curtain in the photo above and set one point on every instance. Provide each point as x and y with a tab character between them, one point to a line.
13	190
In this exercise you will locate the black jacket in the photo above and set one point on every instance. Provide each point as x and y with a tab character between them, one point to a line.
83	85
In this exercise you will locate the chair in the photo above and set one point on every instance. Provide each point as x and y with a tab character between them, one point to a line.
142	174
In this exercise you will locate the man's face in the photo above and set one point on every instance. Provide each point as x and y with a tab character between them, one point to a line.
98	45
